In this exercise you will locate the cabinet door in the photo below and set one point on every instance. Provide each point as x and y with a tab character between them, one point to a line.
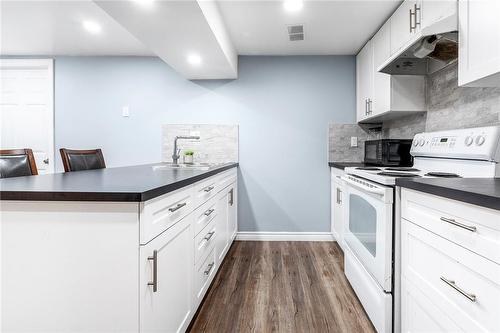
221	241
338	216
381	82
166	277
401	25
364	79
479	46
434	10
232	212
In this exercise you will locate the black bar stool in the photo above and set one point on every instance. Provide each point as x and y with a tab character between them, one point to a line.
17	163
77	160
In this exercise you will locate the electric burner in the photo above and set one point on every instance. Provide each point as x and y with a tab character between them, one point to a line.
369	168
398	174
442	174
402	169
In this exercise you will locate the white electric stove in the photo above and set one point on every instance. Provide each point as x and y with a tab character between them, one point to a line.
371	235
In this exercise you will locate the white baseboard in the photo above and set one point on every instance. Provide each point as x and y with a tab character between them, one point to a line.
283	236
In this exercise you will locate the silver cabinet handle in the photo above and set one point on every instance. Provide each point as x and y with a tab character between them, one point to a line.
208	188
209	235
458	224
208	212
416	9
209	268
231	197
154	283
366	107
179	206
411	26
339	196
451	283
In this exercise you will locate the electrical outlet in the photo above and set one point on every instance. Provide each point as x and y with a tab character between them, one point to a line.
354	141
125	111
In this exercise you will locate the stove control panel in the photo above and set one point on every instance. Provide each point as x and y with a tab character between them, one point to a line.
481	143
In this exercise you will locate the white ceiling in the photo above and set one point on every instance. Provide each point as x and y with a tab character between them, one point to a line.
330	26
55	28
174	29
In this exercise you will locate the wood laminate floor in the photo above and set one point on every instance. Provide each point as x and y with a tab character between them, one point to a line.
281	287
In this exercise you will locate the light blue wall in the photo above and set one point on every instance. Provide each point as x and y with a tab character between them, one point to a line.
282	104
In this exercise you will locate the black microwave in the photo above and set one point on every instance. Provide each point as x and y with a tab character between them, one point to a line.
388	152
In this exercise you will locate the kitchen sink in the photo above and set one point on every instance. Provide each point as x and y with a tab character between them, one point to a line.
194	166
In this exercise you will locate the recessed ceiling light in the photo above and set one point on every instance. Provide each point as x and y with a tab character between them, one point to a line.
92	27
145	3
293	5
194	59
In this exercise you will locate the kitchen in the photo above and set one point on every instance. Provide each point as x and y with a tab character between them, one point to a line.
231	183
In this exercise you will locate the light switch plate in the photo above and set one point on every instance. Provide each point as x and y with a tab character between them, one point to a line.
125	111
354	141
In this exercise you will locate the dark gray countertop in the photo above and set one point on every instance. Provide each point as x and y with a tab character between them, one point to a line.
483	192
125	184
343	165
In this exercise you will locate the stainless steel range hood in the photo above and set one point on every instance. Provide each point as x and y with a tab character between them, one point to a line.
432	48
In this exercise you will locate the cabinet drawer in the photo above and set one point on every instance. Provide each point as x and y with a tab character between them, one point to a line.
462	284
204	274
227	178
476	229
204	242
204	214
204	190
158	214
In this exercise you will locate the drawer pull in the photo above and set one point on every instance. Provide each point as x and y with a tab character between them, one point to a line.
208	189
154	283
209	235
179	206
451	283
208	212
209	268
458	224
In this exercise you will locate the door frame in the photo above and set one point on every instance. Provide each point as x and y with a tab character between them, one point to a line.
48	64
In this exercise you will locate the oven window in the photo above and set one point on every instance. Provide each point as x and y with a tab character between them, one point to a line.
363	222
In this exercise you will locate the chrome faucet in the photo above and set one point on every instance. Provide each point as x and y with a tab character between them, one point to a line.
175	155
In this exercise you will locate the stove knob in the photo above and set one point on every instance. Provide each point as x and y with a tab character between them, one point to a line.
469	140
479	140
422	142
415	143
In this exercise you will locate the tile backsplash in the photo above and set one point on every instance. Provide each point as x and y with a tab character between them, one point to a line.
217	143
448	107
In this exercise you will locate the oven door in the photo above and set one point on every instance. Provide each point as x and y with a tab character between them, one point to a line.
368	229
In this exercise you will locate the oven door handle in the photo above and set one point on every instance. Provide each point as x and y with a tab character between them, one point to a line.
374	190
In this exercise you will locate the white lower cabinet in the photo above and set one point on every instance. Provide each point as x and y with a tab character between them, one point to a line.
203	275
337	206
449	283
166	301
232	212
114	267
222	241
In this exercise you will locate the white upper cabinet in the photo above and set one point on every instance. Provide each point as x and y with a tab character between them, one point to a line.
403	24
381	82
382	96
479	43
364	81
434	10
